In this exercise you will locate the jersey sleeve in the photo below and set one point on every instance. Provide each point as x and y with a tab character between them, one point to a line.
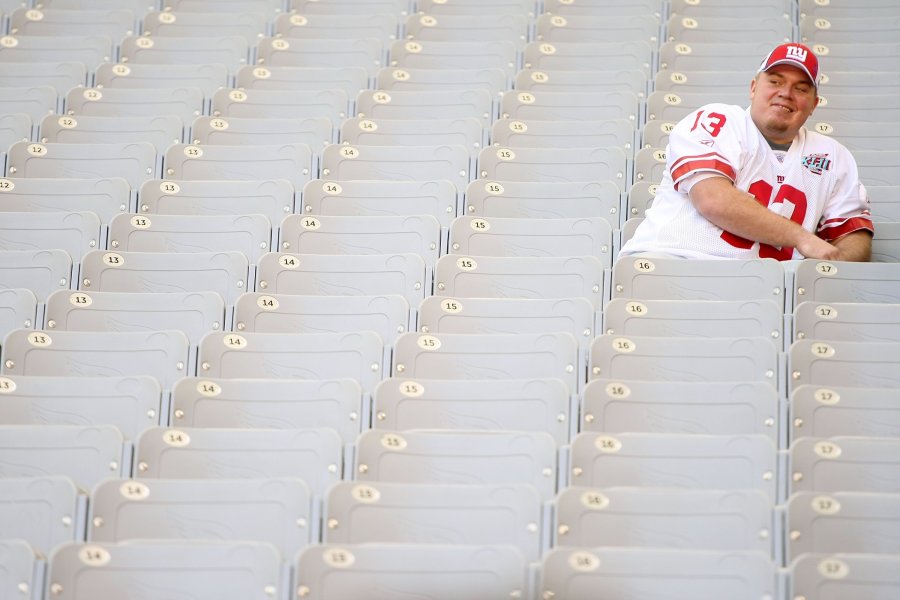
848	208
709	140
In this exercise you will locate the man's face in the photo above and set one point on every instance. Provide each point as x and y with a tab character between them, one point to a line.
781	99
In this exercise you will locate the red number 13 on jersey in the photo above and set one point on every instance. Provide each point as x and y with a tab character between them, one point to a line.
762	191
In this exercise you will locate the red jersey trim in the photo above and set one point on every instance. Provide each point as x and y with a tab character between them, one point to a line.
706	162
837	228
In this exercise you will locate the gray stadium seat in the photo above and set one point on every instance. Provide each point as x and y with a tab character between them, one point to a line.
576	574
844	464
160	130
281	104
732	28
268	7
673	106
204	509
207	78
18	309
707	82
588	56
185	102
831	29
601	7
849	321
482	7
834	576
418	513
131	403
347	79
401	404
458	457
74	232
397	163
850	56
838	362
838	281
425	104
688	407
485	54
348	7
467	131
664	460
315	132
554	164
841	106
513	27
554	28
23	569
370	24
91	50
514	133
273	198
684	519
858	135
732	8
713	56
294	162
43	271
570	106
639	199
816	411
333	53
44	511
61	76
135	162
624	80
35	101
493	81
140	569
86	21
543	200
269	403
177	23
436	572
229	50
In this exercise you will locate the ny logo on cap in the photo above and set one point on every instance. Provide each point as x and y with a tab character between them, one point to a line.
796	52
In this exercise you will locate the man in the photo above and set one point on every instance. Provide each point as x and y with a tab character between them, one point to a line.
748	183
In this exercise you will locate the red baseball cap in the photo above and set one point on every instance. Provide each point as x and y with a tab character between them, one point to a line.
796	55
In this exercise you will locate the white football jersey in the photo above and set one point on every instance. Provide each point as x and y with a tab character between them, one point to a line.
814	183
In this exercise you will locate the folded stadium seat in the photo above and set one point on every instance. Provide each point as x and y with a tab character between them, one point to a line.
695	318
355	355
833	29
712	56
588	56
295	162
848	321
684	407
554	28
426	104
730	8
571	106
471	27
516	199
233	51
388	316
159	130
347	79
112	23
843	464
281	104
379	197
733	28
675	106
273	198
555	164
576	574
89	50
581	236
344	275
847	56
193	313
667	460
315	132
74	232
655	133
162	354
205	509
212	23
488	356
666	279
366	24
136	162
44	511
838	362
270	403
226	273
419	513
14	127
650	164
137	6
875	166
858	107
857	522
833	576
41	271
684	519
856	135
208	78
454	81
639	199
604	7
842	410
61	76
311	454
23	568
398	163
712	83
437	572
838	281
521	277
86	454
349	7
537	133
313	234
480	7
458	457
528	404
35	101
632	80
414	54
139	569
655	358
465	131
851	81
129	402
185	102
270	7
368	53
18	309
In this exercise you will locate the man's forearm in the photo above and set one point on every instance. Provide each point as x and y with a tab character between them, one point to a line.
855	246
